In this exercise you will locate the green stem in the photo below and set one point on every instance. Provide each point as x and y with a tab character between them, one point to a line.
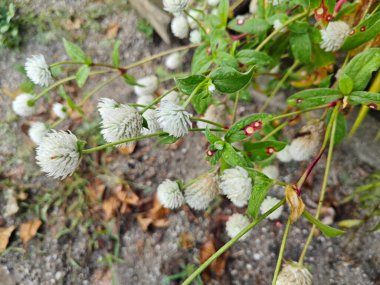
203	129
275	32
158	99
235	107
278	86
196	21
279	128
323	189
230	243
281	253
64	62
97	89
195	91
206	121
300	112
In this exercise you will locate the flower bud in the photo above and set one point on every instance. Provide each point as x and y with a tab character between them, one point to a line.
295	203
294	274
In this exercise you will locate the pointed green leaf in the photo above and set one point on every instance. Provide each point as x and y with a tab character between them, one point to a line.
82	75
187	84
75	52
247	56
116	53
229	80
325	229
300	44
223	9
258	151
313	97
250	26
234	158
261	186
370	99
345	84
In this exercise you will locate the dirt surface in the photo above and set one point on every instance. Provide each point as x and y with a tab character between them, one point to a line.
147	257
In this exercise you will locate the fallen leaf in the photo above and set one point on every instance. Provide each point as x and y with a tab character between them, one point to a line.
186	240
144	221
28	230
110	206
126	195
112	30
5	234
128	149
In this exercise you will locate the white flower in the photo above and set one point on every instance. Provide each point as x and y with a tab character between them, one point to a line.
175	6
195	37
23	105
213	2
180	27
58	154
277	25
199	194
153	126
194	14
214	113
169	194
268	203
236	185
306	144
173	61
119	121
253	7
37	70
284	155
334	35
173	119
271	171
149	85
173	97
37	131
60	110
235	224
294	274
144	100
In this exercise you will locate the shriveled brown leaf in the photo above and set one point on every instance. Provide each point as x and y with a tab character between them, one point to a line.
126	195
96	190
110	206
112	30
186	240
5	234
161	223
128	149
28	230
218	266
207	249
144	222
102	277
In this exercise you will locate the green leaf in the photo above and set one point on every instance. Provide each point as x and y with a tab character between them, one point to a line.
258	151
234	158
252	57
250	26
75	52
313	97
223	9
345	84
229	80
300	44
359	37
315	3
187	84
116	54
260	188
62	93
82	75
167	139
370	99
236	131
346	9
130	79
201	60
27	86
225	59
330	5
325	229
341	129
211	137
360	68
351	223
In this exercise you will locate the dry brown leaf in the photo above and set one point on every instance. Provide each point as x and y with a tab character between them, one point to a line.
126	195
96	190
128	149
5	234
161	223
72	25
144	221
207	249
186	240
109	207
28	230
112	30
102	277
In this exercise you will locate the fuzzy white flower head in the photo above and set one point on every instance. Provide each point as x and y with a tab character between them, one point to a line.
213	2
169	194
271	171
37	132
277	25
173	61
236	185
195	37
268	203
284	155
60	110
294	274
37	70
23	105
175	6
173	119
334	35
199	194
173	97
306	144
180	27
153	126
194	14
119	121
144	100
214	113
149	84
58	154
235	224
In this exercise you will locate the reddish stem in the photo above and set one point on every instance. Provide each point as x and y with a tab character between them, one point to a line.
339	5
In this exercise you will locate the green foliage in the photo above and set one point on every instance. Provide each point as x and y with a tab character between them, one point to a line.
10	25
261	186
144	27
82	75
75	52
229	80
325	229
313	97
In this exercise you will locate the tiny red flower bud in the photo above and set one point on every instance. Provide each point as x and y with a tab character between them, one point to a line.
257	125
270	150
329	18
352	33
362	28
249	130
299	100
210	152
372	106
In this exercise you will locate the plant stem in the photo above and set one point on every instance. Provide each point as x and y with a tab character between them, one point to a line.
230	243
64	62
279	128
206	121
158	99
278	86
235	106
193	93
196	21
275	32
97	89
203	129
323	190
281	253
300	112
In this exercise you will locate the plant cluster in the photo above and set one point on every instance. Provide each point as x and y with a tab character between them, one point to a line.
10	26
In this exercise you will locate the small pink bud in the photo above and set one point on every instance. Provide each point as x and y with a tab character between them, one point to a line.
257	125
270	150
240	21
299	100
249	130
372	106
362	28
352	33
210	152
329	18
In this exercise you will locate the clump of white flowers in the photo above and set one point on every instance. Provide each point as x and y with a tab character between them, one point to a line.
235	224
214	113
60	110
284	155
38	70
146	85
173	61
294	274
58	154
153	126
169	194
119	121
173	119
201	192
37	131
144	100
173	97
24	105
236	185
271	171
268	203
334	35
195	37
180	27
175	6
